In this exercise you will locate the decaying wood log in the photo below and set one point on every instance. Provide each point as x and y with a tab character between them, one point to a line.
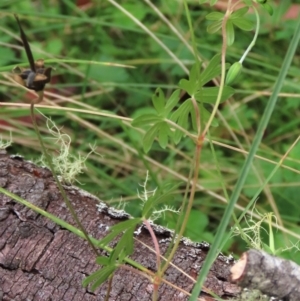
41	261
269	274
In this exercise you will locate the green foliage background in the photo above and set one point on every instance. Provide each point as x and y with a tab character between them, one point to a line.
103	33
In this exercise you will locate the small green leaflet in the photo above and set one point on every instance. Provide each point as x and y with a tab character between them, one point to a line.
212	2
163	106
268	8
193	83
146	119
181	117
215	16
209	95
237	18
159	128
118	229
163	130
99	277
123	249
239	13
229	33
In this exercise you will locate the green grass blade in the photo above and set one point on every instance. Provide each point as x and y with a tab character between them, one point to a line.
247	164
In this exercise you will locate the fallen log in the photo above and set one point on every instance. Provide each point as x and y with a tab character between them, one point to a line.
271	275
39	260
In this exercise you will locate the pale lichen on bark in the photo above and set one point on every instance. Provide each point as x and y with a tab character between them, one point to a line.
271	275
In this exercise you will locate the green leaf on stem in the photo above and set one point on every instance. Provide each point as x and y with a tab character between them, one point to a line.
212	70
172	101
268	8
124	247
162	129
193	83
181	117
158	100
209	94
243	24
146	119
163	134
229	33
117	229
99	277
214	16
239	13
214	27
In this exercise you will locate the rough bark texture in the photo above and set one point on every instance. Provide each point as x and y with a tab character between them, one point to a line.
269	274
41	261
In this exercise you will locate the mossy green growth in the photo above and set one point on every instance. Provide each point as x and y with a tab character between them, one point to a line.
251	295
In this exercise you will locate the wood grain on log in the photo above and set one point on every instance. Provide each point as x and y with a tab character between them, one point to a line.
271	275
41	261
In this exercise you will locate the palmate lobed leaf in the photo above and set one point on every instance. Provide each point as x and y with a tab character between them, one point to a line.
159	100
243	24
214	27
182	110
236	18
106	273
194	82
117	229
268	8
181	117
162	129
172	101
164	133
209	94
187	86
205	115
123	249
102	260
214	16
194	75
122	226
239	13
145	120
149	137
99	277
212	70
124	246
229	32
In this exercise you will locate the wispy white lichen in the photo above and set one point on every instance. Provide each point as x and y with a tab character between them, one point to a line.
66	165
5	143
145	195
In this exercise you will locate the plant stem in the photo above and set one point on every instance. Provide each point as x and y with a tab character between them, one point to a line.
59	185
255	36
247	164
